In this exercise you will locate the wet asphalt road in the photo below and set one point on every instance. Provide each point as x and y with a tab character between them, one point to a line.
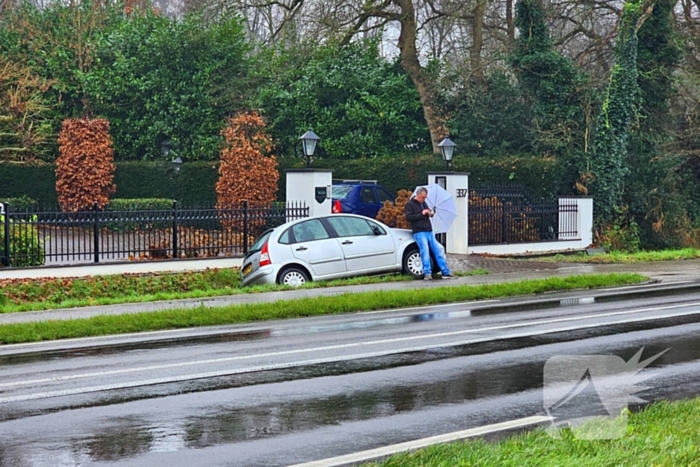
289	392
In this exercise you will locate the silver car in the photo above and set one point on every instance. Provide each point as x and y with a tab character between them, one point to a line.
329	247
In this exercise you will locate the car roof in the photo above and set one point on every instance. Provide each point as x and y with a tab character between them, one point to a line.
355	182
296	221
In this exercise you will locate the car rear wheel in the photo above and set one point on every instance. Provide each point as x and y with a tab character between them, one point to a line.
293	277
412	264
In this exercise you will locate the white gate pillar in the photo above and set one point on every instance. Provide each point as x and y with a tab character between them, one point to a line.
312	187
457	183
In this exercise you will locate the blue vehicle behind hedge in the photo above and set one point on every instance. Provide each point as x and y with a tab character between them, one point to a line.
363	197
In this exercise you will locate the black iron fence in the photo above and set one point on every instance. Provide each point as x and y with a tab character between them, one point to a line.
494	219
38	236
514	194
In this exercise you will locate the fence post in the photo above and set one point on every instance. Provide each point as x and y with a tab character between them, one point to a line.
6	259
96	233
175	252
504	224
245	226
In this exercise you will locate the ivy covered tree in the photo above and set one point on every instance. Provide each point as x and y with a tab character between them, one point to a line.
658	194
608	170
358	103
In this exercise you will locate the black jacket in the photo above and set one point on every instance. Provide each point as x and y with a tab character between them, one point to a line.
418	221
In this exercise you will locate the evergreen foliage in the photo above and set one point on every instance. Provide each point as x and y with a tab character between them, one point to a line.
151	76
165	79
550	83
25	128
489	121
658	193
357	102
607	161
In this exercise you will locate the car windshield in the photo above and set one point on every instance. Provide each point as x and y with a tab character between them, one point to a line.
257	246
341	191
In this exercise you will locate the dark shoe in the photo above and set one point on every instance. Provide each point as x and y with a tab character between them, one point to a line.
427	278
448	276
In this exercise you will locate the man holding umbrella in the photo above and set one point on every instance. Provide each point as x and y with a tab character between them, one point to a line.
418	214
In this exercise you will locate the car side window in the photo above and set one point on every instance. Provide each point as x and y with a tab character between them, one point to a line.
350	226
374	225
309	231
285	238
367	195
384	196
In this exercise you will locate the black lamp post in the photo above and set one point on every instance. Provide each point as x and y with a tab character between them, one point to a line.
176	163
308	142
447	148
165	148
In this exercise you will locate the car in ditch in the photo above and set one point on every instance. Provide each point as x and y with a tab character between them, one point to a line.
329	247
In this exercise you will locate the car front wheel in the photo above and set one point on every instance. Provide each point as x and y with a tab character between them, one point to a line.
293	277
412	264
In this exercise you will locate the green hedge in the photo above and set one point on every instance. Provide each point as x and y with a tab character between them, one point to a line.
34	181
144	204
195	184
542	177
21	203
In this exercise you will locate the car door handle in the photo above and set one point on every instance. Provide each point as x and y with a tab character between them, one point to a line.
302	248
347	242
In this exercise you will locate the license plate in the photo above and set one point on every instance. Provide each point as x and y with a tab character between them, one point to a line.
247	269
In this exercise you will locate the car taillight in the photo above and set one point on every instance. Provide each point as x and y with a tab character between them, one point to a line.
337	208
265	256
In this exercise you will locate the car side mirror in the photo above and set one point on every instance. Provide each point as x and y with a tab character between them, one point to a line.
376	230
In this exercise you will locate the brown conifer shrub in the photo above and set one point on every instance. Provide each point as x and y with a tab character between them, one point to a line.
393	215
85	164
246	171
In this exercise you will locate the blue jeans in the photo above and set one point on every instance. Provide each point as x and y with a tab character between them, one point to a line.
426	243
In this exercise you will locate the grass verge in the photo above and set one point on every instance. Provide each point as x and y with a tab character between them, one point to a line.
323	305
665	434
624	257
54	293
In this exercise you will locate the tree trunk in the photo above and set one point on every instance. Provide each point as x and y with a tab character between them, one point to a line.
478	43
510	22
410	63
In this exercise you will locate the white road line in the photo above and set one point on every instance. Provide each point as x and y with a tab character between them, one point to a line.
427	307
335	359
367	344
365	456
